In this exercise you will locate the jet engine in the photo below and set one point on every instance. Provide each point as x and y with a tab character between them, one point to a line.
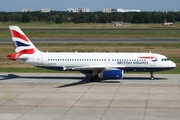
111	74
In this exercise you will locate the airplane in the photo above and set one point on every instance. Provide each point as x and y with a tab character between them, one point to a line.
168	23
100	65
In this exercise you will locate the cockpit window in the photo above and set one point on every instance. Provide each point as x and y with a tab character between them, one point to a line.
165	59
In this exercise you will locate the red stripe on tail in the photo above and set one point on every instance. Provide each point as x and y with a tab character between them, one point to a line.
18	35
17	55
12	56
26	51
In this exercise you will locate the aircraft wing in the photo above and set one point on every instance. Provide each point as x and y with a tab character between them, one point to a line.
99	67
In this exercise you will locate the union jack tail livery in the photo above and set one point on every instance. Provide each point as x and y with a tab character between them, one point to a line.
21	42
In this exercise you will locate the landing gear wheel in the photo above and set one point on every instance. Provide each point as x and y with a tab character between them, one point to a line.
93	78
152	76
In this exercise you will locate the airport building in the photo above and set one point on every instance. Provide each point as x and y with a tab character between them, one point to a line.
45	10
121	10
109	10
27	10
76	10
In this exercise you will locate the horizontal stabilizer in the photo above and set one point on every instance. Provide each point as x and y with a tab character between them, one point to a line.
15	56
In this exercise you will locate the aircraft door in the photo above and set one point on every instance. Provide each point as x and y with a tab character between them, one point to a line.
152	63
40	59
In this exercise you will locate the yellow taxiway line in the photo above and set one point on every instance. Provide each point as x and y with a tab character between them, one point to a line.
6	92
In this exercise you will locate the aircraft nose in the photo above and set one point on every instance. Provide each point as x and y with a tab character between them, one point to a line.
173	64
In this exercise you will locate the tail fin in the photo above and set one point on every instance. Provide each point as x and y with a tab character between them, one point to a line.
21	42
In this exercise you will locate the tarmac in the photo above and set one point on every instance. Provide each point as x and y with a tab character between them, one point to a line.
70	96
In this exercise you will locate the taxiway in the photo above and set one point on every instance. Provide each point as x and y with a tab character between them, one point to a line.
69	96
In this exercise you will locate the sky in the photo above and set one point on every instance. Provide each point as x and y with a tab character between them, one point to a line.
93	5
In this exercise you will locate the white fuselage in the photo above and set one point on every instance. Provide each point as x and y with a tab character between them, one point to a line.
125	61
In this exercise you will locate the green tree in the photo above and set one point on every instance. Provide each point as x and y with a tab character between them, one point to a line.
58	20
16	17
170	18
116	17
26	17
127	17
157	18
104	18
76	19
6	17
137	18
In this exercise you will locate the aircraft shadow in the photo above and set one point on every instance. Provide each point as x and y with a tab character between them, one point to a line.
82	80
143	78
13	76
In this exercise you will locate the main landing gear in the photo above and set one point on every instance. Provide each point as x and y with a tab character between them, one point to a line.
94	78
152	76
94	75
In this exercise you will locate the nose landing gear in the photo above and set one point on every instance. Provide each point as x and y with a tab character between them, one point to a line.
152	76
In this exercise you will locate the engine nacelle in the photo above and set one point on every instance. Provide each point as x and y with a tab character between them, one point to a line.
111	74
